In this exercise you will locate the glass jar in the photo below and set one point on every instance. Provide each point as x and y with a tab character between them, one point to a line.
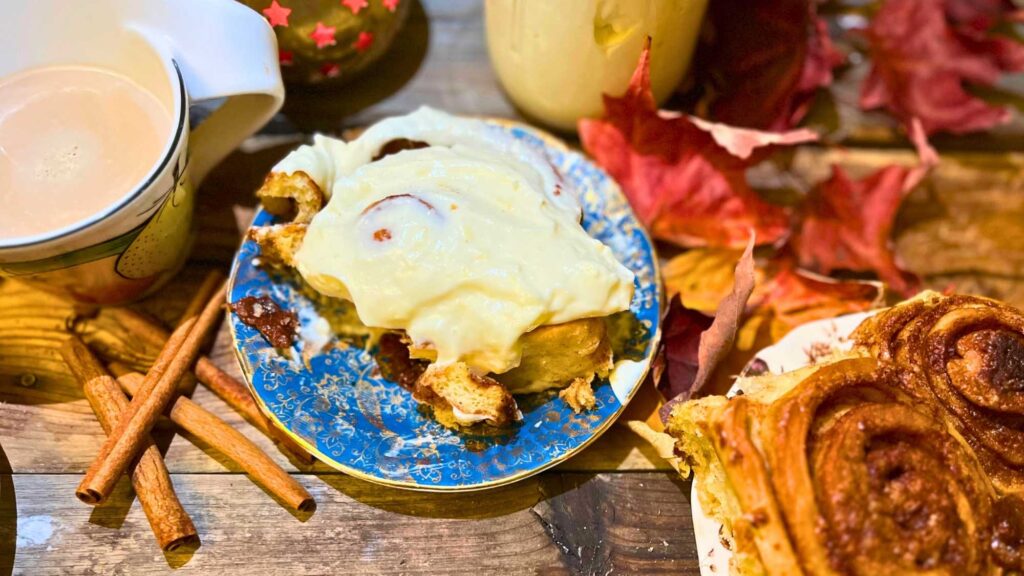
556	58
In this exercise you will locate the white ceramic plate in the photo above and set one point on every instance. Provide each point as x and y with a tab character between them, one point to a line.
795	350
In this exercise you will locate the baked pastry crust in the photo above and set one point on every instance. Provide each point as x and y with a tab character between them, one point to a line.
965	356
566	356
460	397
579	395
570	354
836	469
293	196
558	354
279	242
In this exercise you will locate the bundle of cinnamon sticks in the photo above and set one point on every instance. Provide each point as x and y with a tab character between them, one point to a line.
129	448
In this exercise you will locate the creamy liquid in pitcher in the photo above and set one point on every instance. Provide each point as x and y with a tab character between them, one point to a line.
73	140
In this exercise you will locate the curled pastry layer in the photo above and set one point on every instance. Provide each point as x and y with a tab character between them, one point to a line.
967	357
846	474
870	484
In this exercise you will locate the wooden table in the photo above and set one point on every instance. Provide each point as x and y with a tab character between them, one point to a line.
614	509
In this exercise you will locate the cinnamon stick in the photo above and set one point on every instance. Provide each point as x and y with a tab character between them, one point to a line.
237	396
235	393
155	394
152	333
243	452
169	521
211	282
117	369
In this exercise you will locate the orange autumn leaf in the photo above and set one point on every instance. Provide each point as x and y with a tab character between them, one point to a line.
793	297
685	177
784	297
701	277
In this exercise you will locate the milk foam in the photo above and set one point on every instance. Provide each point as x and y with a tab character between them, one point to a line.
73	141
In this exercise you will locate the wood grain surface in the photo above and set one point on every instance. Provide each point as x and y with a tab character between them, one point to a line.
558	523
613	509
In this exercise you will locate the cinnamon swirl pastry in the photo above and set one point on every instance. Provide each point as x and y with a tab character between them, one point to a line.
835	470
466	243
966	357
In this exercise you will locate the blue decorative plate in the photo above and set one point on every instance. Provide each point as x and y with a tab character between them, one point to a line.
333	400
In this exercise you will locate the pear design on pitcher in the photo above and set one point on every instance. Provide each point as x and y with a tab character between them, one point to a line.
160	245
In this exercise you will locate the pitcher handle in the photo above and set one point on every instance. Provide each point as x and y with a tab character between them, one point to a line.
223	50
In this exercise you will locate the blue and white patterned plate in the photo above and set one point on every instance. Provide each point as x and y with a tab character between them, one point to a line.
333	400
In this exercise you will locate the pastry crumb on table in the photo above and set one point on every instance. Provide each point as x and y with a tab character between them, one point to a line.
579	395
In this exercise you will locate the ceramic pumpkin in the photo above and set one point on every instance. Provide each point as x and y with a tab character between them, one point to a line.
330	40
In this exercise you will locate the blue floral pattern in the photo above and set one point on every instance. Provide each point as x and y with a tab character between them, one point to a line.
337	404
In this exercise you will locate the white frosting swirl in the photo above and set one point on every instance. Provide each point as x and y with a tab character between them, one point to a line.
466	244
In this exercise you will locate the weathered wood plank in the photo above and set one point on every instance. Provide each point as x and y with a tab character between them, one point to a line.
64	437
556	524
964	227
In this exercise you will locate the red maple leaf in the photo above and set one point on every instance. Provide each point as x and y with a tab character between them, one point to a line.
323	35
680	336
846	224
276	14
391	5
923	53
761	63
285	57
685	177
974	21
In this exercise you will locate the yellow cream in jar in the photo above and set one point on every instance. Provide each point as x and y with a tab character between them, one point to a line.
556	58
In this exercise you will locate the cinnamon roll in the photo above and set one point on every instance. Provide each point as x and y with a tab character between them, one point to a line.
835	469
465	242
966	357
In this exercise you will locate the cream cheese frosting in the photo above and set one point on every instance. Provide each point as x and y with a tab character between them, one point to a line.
465	244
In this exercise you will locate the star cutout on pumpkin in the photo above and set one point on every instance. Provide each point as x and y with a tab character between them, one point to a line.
285	57
276	14
363	43
330	70
323	35
391	5
354	5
